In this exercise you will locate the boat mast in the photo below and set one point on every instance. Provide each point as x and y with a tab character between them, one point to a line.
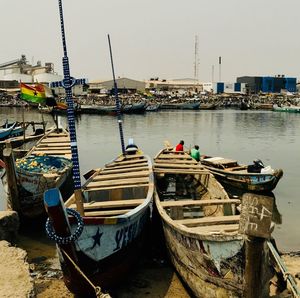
117	99
67	83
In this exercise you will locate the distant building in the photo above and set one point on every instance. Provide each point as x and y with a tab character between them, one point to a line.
124	85
191	85
268	84
232	88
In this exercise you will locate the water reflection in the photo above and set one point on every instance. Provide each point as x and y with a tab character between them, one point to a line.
241	135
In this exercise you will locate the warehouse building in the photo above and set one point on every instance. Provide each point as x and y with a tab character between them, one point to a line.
268	84
124	85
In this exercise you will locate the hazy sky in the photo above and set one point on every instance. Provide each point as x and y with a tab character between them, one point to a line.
156	38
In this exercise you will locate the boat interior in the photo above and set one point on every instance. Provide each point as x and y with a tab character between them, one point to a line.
119	187
192	197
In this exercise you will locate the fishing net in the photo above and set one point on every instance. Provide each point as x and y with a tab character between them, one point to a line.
43	164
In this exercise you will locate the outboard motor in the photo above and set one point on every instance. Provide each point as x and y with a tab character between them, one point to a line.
256	166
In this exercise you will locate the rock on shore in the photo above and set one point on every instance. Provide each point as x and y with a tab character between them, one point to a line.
9	225
15	278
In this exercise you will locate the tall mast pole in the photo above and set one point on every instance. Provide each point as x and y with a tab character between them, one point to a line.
117	99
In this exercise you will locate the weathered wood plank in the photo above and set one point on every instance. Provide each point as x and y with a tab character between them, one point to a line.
106	212
126	162
116	182
52	152
175	156
56	140
116	187
38	148
120	175
177	161
216	229
128	166
198	202
175	165
124	170
192	222
110	204
174	171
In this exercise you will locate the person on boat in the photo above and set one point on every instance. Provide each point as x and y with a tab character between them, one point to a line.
131	148
195	153
179	146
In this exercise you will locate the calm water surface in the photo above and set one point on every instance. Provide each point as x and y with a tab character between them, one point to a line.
273	137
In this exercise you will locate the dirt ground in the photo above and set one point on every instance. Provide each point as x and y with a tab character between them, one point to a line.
153	278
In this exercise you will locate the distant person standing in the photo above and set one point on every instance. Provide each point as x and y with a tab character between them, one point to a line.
179	147
195	153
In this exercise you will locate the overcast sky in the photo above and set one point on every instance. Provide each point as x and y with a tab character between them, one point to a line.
156	38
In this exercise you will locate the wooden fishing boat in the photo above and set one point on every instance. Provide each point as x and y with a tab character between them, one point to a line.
201	228
117	201
289	109
47	165
208	106
230	173
135	108
152	107
181	106
99	109
9	130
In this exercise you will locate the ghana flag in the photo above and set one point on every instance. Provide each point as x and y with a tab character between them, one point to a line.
33	93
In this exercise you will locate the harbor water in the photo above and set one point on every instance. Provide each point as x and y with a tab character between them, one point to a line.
273	137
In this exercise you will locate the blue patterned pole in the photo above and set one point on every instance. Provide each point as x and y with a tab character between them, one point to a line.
117	99
67	83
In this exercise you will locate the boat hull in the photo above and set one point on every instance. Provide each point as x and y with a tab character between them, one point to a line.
253	182
106	262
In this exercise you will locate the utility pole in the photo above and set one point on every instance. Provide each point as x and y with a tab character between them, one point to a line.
196	61
220	63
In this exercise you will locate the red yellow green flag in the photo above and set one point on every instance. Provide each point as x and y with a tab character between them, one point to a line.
33	93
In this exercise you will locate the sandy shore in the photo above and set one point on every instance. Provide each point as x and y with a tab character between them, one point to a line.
150	279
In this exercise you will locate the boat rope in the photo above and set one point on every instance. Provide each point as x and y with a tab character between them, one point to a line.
286	275
97	289
117	99
65	240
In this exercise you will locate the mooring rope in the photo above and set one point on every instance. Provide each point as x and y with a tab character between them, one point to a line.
287	275
97	289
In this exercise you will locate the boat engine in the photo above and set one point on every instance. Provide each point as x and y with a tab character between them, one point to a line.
256	166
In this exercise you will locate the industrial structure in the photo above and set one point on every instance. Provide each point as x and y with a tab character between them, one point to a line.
269	84
21	70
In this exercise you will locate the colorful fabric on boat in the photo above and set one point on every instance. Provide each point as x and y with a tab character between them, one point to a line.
33	93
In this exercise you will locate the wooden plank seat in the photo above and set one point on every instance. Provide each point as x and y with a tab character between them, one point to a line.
175	156
120	166
52	152
116	182
117	187
106	213
209	220
56	140
107	176
186	172
216	229
176	166
137	169
126	162
177	161
110	204
168	204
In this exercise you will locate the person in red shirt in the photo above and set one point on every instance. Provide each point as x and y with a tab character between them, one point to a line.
179	147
